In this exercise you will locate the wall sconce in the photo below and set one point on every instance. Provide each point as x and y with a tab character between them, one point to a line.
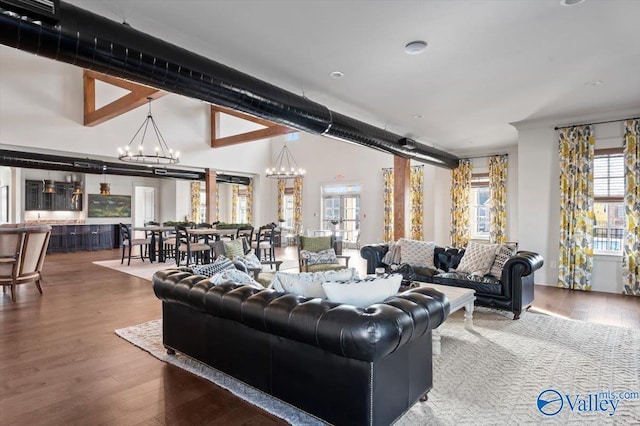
77	188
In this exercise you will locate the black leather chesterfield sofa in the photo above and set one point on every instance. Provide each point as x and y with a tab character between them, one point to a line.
513	292
343	364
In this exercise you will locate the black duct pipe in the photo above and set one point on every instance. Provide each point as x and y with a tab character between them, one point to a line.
90	41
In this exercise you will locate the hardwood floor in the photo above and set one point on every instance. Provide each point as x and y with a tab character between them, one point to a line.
63	364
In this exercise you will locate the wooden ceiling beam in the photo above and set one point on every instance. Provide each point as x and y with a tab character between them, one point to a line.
271	129
136	97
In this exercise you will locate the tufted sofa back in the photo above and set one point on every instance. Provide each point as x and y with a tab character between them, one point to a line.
365	334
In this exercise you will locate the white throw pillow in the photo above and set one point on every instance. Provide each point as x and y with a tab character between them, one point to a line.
478	258
418	253
320	257
250	260
362	293
309	284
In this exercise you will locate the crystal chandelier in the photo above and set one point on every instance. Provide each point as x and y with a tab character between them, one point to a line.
160	154
285	166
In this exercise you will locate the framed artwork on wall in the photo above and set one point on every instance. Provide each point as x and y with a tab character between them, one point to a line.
109	205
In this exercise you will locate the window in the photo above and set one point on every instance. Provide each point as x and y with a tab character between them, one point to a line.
203	205
341	209
608	183
479	206
242	206
288	208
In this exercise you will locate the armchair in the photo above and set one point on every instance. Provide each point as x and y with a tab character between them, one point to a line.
308	246
22	252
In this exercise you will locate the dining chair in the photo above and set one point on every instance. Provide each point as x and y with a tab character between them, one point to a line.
246	232
187	248
265	243
128	241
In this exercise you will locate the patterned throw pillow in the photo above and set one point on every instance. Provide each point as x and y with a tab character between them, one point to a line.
233	248
323	256
250	260
364	292
505	251
392	256
418	253
220	264
478	258
235	276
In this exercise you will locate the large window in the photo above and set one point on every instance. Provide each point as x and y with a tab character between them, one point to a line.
288	207
479	206
341	209
608	182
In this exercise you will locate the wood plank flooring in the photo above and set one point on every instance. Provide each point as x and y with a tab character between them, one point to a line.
61	362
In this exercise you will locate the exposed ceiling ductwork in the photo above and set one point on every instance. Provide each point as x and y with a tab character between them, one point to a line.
90	41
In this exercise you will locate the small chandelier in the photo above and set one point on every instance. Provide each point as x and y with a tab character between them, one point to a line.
160	154
285	166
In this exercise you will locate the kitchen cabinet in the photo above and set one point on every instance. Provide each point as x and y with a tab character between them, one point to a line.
61	199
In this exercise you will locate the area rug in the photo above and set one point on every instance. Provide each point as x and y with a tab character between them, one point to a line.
146	269
499	373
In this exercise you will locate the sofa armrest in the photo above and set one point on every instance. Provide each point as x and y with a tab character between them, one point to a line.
518	278
373	254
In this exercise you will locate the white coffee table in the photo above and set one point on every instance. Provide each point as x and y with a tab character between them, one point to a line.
458	298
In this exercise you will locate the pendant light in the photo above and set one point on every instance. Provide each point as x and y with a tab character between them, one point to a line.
136	152
285	166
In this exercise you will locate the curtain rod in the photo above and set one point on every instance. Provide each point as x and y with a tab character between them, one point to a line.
597	122
485	156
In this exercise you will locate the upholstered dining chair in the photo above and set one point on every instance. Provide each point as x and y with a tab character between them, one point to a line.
314	254
130	242
265	243
189	250
22	252
246	232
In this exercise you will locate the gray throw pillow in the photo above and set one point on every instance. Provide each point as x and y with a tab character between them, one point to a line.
505	251
478	258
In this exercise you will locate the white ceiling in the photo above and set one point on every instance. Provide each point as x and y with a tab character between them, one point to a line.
489	62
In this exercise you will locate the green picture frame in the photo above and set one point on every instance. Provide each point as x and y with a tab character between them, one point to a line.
109	205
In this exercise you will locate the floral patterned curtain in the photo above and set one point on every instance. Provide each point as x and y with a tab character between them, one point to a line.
460	193
387	176
416	195
235	190
631	254
218	203
282	185
250	201
195	202
498	198
297	205
577	217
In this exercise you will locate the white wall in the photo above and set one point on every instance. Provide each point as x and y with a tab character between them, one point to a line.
539	199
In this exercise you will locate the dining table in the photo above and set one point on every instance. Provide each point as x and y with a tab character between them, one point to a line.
157	235
213	232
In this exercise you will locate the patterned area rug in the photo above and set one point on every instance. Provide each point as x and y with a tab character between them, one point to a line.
495	374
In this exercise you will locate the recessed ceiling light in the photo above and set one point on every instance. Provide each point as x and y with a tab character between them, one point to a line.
570	2
594	83
336	74
415	47
417	116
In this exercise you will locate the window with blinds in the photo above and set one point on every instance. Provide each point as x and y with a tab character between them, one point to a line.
608	182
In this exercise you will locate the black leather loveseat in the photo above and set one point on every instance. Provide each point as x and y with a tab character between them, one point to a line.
513	292
343	364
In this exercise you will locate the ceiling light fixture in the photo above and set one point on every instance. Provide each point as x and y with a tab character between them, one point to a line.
571	2
336	74
415	47
161	154
285	166
593	83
